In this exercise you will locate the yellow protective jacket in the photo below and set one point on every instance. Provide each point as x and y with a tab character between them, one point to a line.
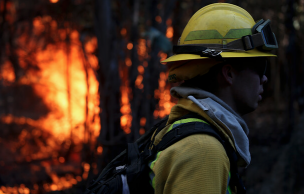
196	164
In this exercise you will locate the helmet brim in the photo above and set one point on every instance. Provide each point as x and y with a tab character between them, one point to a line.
250	53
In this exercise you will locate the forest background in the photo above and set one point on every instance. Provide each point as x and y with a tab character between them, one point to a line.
81	78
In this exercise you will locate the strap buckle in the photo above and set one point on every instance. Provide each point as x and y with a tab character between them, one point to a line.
211	52
247	42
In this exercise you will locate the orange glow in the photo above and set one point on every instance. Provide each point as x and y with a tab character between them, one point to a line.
138	80
163	94
155	114
61	159
129	46
169	33
99	150
161	83
142	131
91	45
54	1
7	73
143	121
128	62
142	50
59	184
169	22
86	168
141	69
123	31
78	178
126	122
145	64
162	55
38	25
158	19
141	86
163	76
53	61
142	56
125	109
126	118
53	187
128	131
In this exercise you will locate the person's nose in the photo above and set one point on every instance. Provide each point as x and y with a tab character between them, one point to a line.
264	79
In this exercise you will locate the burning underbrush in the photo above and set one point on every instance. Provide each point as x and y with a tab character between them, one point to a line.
33	160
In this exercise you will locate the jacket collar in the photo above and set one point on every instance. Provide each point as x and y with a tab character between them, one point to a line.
217	113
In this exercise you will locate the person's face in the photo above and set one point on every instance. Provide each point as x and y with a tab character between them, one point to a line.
248	86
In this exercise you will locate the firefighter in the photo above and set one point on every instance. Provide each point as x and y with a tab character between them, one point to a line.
221	59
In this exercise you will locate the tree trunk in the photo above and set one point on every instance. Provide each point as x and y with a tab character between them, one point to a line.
111	136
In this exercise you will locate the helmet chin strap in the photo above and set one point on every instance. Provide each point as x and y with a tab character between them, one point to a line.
246	43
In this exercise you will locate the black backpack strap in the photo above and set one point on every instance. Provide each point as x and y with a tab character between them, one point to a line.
143	140
235	178
184	130
134	160
160	127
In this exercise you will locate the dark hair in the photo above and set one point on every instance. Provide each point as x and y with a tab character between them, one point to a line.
208	81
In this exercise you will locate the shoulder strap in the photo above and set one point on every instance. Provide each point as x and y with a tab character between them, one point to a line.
184	130
145	138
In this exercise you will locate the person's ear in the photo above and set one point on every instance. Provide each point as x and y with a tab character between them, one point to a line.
227	73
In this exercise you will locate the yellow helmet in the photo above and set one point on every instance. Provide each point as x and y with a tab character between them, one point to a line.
226	31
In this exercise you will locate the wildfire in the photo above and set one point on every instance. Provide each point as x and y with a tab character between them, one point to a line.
67	85
55	81
51	84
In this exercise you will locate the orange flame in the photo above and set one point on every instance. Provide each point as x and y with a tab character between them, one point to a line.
53	62
60	65
126	118
7	73
163	94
